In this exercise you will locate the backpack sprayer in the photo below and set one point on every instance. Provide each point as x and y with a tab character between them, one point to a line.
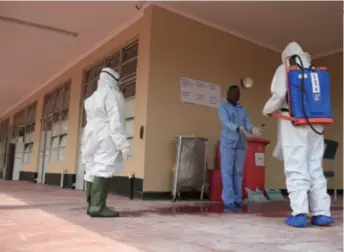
308	95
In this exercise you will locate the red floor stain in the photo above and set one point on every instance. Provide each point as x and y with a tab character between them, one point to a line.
273	210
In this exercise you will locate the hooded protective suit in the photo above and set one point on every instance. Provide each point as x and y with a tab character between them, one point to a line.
300	147
105	144
104	139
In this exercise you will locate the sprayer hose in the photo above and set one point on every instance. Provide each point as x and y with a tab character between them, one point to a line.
303	93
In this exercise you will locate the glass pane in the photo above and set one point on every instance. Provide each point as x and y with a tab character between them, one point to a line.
14	132
56	129
31	137
62	154
59	98
55	142
56	117
130	51
64	127
113	61
48	123
63	142
27	148
65	114
129	89
27	137
129	69
94	72
89	88
52	101
129	107
129	127
66	94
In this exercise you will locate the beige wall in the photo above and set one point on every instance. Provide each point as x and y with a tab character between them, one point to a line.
182	47
185	48
140	29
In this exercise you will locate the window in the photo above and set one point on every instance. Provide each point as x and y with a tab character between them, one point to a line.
55	122
59	131
54	148
27	153
57	99
29	131
24	126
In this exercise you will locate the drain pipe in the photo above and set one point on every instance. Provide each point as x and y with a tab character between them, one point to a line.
131	186
63	175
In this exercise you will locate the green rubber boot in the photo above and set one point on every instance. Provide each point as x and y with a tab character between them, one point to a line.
88	195
99	191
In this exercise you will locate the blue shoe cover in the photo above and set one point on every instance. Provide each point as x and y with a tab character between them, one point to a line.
298	221
231	207
321	220
239	204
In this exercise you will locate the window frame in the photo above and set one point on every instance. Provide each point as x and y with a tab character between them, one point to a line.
55	116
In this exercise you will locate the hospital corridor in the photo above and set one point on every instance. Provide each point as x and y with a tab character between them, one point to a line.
163	126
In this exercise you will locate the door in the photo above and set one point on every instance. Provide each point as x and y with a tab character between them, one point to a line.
9	162
2	156
18	158
10	152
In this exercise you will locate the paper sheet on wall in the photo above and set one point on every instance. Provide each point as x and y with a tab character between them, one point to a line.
214	98
259	159
187	92
200	93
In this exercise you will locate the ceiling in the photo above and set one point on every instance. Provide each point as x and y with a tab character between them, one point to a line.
31	57
316	25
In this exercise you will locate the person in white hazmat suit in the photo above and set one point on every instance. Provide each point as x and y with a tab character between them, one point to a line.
302	151
105	145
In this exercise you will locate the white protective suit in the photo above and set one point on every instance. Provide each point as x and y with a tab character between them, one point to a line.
300	147
104	140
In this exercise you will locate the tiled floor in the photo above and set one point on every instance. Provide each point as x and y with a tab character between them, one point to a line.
43	218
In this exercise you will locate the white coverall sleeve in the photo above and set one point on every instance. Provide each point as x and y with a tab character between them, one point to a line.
115	111
278	90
